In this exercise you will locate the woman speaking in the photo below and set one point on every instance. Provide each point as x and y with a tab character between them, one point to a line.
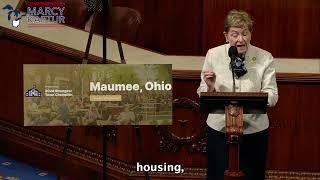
254	71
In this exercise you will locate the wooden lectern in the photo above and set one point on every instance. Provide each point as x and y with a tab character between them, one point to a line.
233	105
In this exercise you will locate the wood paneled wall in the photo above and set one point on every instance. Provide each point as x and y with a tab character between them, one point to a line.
294	124
286	28
169	26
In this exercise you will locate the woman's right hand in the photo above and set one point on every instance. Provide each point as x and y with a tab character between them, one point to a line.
209	78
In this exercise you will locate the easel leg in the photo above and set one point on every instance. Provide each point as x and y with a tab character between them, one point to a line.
104	151
141	152
64	151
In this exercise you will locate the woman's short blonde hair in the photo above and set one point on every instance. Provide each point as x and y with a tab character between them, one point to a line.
239	19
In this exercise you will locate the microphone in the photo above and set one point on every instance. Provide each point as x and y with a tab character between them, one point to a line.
237	62
233	53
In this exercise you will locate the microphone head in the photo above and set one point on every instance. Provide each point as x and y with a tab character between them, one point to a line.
233	52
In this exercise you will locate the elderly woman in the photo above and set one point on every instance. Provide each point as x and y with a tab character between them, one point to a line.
255	73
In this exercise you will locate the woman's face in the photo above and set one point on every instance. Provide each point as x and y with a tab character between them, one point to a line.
239	37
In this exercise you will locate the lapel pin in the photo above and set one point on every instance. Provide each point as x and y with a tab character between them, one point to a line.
254	60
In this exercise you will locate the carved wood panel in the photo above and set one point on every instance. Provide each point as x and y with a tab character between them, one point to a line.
195	139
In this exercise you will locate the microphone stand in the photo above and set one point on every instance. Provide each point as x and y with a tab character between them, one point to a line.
233	139
232	69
